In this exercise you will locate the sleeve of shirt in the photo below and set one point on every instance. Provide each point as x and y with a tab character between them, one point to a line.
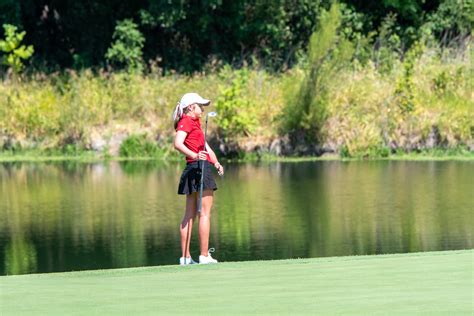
184	125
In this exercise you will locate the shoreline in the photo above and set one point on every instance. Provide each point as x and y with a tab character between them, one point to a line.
319	260
93	158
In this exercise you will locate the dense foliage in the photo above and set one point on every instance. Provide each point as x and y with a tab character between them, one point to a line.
356	79
189	35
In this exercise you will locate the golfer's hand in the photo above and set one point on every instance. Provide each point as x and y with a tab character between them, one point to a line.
220	169
202	155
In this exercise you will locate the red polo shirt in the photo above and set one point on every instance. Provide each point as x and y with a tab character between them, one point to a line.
195	137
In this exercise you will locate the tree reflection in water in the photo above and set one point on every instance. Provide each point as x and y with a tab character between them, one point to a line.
74	216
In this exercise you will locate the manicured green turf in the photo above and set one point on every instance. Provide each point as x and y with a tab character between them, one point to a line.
419	283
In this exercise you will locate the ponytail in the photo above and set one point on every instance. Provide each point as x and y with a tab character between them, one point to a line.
177	114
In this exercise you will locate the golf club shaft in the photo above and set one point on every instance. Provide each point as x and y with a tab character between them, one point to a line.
203	163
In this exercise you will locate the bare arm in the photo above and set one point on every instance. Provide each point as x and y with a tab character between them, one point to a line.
213	157
179	145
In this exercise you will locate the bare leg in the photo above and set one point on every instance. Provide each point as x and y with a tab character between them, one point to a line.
186	226
205	221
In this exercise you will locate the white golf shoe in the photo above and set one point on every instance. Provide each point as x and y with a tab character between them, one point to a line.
184	261
207	259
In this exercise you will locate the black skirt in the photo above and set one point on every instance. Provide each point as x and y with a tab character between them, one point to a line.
191	178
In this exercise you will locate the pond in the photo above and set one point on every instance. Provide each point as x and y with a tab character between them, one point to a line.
67	216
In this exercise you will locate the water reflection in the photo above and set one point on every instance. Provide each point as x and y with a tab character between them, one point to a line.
72	216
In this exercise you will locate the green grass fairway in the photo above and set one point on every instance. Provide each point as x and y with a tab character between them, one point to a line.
419	283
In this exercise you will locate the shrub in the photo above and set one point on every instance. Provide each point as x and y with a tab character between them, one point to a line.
237	115
328	52
405	90
387	50
138	146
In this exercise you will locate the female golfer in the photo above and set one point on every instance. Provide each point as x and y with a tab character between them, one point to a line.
189	140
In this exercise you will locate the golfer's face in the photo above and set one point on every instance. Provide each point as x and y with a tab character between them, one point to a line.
198	109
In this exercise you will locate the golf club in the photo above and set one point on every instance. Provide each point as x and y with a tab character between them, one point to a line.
202	162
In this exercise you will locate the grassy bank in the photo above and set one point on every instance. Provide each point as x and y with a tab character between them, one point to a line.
91	156
366	112
418	283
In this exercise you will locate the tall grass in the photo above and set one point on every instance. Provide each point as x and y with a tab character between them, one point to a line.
365	114
69	107
362	112
307	96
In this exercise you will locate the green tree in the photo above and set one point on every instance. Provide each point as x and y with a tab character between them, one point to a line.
452	20
126	50
186	35
328	52
14	52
